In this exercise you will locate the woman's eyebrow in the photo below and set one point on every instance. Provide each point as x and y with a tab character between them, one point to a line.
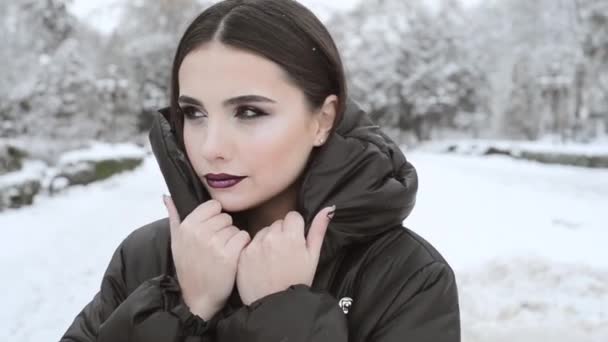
229	102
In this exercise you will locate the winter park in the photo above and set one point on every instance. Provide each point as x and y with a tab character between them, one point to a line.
501	106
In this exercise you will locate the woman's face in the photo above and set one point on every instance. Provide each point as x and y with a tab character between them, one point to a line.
244	118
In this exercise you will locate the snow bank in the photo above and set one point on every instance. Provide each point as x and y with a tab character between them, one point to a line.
78	167
19	188
31	170
586	155
98	151
477	147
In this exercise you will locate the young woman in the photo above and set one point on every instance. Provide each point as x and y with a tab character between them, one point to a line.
287	202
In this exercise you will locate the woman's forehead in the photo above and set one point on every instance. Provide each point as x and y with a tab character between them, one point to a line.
219	70
216	59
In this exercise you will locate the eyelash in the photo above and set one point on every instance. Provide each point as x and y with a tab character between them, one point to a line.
189	112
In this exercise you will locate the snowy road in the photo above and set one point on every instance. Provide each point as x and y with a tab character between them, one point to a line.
528	243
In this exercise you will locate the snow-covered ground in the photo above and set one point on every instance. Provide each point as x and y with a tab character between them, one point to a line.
527	242
56	250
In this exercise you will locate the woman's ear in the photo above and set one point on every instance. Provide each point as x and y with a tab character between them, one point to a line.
325	119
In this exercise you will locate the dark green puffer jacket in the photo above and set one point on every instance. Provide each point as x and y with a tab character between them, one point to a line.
376	281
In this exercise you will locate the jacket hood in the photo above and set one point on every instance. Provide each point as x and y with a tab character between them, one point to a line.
359	169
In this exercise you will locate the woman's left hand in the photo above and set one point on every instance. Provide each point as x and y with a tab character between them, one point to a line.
279	256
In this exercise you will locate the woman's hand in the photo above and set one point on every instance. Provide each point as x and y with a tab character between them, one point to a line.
206	248
279	256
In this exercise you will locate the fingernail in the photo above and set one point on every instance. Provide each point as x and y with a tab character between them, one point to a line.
331	213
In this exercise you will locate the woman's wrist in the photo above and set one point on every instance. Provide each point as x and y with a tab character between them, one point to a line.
202	308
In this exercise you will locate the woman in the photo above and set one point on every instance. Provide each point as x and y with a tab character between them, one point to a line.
286	207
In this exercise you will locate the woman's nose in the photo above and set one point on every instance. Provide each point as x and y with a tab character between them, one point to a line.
216	142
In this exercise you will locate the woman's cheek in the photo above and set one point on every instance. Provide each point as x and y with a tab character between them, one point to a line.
267	134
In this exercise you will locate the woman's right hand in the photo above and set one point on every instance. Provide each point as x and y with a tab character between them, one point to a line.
206	249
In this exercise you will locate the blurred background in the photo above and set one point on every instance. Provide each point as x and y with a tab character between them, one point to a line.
502	106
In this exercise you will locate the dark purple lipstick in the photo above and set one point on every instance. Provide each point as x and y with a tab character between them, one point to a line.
222	180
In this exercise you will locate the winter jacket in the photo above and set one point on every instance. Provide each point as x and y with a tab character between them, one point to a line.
376	281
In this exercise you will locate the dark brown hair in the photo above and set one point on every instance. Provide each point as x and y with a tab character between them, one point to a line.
283	31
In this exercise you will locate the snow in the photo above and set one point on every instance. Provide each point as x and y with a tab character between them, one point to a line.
599	148
101	151
102	15
527	242
529	299
56	250
508	208
30	171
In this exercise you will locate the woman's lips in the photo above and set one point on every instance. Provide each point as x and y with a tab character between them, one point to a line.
224	183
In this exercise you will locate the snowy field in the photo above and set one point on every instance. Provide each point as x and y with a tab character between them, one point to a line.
527	241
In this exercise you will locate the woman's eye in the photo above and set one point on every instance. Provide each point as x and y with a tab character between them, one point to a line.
249	113
245	113
192	113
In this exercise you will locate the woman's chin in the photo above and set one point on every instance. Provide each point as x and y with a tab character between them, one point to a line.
233	205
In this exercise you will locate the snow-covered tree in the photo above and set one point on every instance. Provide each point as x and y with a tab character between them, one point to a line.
31	30
528	50
406	64
148	36
593	21
65	81
517	68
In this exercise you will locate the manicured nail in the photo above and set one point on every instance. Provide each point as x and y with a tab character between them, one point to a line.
331	213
